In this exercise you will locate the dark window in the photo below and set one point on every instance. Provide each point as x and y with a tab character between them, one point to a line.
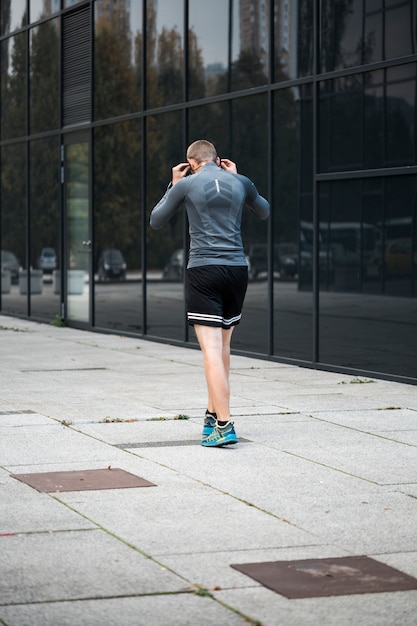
13	86
44	77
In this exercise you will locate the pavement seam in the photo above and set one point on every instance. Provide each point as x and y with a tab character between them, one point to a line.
365	432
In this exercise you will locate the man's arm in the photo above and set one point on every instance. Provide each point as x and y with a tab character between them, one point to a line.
168	205
170	201
257	203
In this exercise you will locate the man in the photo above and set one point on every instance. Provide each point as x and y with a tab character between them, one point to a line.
217	272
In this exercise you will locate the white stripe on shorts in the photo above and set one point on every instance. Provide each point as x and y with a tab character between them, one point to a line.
205	317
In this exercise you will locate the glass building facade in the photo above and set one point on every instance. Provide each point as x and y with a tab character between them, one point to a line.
315	100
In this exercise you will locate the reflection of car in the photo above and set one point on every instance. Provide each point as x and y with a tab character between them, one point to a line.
257	257
288	259
10	263
47	260
111	265
174	269
398	258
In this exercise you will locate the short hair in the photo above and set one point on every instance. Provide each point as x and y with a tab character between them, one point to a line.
202	150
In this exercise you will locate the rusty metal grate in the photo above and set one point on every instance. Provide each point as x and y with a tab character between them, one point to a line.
327	577
83	480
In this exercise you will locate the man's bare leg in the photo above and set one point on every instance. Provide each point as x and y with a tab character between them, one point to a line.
215	346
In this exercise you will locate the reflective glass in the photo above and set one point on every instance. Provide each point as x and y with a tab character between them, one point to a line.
165	52
117	58
400	236
165	247
341	34
400	35
13	87
249	149
374	121
45	249
13	15
40	9
13	228
341	110
300	52
44	77
373	37
292	225
208	59
117	211
250	44
400	115
367	229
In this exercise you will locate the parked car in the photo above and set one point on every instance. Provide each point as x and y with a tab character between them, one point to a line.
10	262
47	260
174	269
111	265
399	259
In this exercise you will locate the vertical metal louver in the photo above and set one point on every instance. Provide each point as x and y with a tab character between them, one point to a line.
76	79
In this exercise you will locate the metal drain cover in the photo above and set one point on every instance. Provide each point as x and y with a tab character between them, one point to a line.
327	577
83	480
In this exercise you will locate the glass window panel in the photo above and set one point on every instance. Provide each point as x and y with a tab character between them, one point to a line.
40	9
291	220
165	53
373	143
44	77
45	249
286	37
118	58
117	211
250	44
340	236
372	235
357	330
341	37
165	248
400	39
13	87
208	48
400	235
302	47
373	5
249	149
341	112
13	225
211	121
400	115
13	15
373	38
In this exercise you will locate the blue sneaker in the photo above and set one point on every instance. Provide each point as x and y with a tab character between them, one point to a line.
221	436
209	424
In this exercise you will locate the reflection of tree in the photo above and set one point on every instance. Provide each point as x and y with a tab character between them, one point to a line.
116	189
44	78
116	91
44	195
13	200
13	112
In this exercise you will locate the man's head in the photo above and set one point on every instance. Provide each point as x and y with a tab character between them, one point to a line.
201	152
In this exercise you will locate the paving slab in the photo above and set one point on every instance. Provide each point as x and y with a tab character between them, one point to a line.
181	609
56	566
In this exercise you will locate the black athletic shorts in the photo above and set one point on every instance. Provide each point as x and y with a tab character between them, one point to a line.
215	294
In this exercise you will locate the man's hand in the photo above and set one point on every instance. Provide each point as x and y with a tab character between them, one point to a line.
228	165
179	171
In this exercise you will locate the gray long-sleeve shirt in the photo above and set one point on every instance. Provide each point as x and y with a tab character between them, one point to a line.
214	200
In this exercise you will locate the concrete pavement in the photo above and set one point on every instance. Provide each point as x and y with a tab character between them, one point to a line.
326	467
